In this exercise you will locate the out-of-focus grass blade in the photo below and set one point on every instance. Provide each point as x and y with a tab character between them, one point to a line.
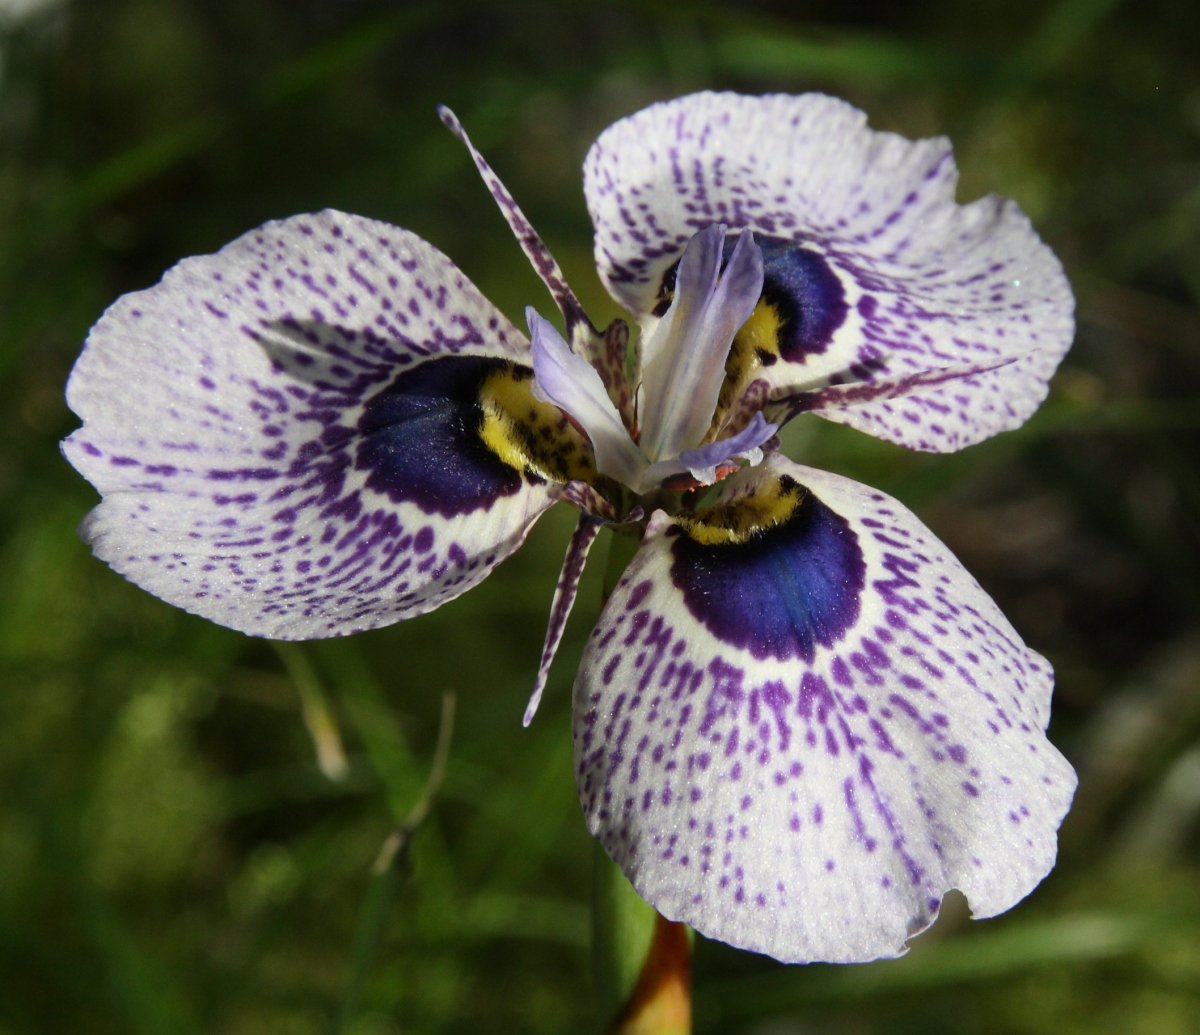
326	62
318	715
147	993
152	157
535	801
141	986
386	875
374	722
1065	26
528	916
853	60
1169	233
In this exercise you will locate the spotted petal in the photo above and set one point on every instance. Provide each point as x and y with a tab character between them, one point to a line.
309	433
799	722
870	268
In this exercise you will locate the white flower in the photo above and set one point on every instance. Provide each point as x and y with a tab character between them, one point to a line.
798	721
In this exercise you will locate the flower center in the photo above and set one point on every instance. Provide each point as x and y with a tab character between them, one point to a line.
679	383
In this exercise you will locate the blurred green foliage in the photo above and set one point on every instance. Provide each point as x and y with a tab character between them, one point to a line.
173	855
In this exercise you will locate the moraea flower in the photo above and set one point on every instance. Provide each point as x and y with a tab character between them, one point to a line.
799	721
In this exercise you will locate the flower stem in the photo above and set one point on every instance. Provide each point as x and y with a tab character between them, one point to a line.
642	961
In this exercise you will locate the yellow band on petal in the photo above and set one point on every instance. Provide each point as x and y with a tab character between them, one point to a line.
772	503
529	435
757	342
755	345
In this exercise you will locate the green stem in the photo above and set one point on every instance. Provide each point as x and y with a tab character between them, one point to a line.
641	961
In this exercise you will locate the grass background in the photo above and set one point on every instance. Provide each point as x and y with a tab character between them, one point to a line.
172	857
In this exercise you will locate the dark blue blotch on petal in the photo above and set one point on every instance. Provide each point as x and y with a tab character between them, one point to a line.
806	293
420	439
781	592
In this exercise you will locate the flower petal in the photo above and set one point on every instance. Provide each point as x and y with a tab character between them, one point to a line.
871	269
703	462
565	379
310	433
684	357
799	722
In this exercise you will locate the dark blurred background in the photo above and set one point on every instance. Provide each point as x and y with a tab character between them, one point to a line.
177	856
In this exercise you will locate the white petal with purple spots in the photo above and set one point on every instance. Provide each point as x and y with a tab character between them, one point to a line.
286	433
881	274
798	740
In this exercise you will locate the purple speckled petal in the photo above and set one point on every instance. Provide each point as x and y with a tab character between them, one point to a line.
799	722
288	435
870	267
